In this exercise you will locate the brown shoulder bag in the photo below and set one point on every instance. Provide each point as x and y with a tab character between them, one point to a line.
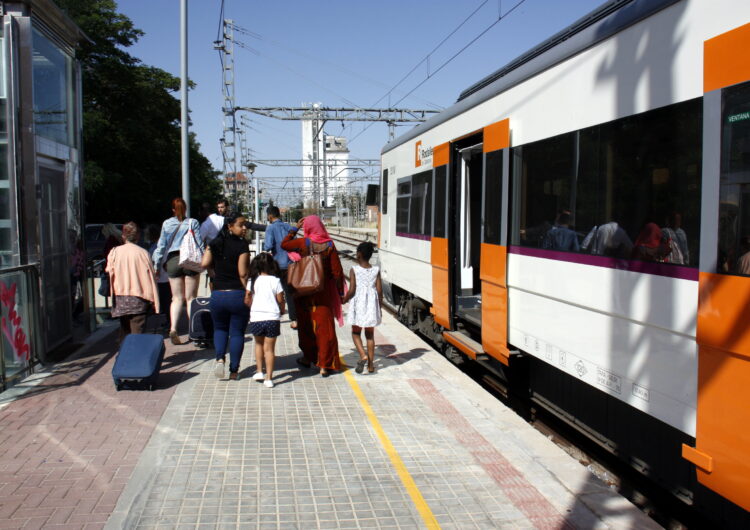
307	276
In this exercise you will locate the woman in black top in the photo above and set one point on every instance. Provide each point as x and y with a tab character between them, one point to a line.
229	257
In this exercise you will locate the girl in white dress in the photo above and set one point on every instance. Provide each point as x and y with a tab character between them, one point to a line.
366	293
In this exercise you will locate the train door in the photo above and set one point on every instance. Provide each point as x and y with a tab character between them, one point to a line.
723	331
467	288
493	259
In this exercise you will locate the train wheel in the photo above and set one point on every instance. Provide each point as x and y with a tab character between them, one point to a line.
454	356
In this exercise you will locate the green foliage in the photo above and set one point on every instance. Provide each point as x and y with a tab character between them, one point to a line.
131	129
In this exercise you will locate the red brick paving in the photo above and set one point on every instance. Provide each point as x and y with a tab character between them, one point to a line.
72	442
524	496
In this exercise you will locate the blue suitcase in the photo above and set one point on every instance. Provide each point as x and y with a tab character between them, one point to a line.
138	362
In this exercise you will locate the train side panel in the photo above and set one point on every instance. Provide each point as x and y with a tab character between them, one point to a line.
636	344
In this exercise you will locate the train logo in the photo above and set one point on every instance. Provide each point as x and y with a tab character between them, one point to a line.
581	369
422	155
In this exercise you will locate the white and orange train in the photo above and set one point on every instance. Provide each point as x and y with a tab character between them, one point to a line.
578	221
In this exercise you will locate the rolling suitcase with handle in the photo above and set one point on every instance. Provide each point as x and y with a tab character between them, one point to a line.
138	362
201	323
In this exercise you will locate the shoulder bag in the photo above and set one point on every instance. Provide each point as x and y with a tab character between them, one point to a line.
191	254
307	276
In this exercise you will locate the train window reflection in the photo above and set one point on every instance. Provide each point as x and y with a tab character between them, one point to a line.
441	183
384	202
493	179
403	196
628	189
734	207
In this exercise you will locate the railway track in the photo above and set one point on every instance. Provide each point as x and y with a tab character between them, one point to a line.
653	500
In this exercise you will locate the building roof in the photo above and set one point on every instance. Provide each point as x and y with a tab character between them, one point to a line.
237	178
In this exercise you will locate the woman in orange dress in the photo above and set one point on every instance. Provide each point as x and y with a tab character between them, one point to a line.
316	312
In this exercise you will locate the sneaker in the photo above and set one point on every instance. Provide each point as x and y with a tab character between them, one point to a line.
259	376
219	369
268	383
234	376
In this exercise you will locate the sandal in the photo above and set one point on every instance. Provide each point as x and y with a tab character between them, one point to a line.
324	373
175	338
360	366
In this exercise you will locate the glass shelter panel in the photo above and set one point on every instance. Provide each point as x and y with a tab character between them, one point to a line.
53	91
7	212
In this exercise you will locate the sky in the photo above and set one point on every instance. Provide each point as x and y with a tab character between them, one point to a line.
340	53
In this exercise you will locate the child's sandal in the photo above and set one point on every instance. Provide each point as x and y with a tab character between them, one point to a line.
360	366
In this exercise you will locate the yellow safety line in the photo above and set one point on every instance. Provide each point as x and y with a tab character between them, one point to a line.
403	473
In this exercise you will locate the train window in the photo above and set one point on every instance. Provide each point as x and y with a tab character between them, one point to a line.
493	181
384	187
629	188
403	197
734	205
441	181
420	210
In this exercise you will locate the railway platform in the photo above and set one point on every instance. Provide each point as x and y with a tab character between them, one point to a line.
417	444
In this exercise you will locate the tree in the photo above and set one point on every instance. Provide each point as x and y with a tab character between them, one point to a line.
131	129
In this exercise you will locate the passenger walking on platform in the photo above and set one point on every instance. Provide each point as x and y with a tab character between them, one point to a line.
316	312
162	281
366	293
214	223
229	256
265	297
166	258
275	233
132	283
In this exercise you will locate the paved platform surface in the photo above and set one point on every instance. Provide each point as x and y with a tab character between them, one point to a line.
417	444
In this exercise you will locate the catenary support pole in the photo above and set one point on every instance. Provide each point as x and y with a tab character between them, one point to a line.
257	215
184	103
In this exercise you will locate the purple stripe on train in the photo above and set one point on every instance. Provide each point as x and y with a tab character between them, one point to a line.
647	267
413	236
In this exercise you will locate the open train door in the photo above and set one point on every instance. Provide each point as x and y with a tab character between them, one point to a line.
723	334
494	255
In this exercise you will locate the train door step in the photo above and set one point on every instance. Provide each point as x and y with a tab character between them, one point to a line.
466	344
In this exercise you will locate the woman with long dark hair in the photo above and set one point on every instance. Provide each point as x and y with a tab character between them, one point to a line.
166	258
229	256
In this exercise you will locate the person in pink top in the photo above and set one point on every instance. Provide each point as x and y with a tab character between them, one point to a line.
132	283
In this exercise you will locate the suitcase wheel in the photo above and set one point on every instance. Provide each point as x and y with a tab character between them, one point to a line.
118	386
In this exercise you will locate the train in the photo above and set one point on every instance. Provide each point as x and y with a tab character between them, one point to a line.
577	223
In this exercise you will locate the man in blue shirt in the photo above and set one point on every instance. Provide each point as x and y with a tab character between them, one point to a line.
276	231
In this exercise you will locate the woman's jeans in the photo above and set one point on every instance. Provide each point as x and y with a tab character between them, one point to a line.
230	316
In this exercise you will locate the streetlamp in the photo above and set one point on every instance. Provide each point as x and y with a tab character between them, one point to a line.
338	189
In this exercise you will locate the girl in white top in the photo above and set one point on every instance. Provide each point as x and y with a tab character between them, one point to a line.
265	297
366	293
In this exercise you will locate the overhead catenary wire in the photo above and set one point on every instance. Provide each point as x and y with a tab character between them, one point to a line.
244	31
430	75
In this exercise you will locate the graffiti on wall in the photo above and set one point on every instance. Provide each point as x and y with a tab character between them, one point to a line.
12	324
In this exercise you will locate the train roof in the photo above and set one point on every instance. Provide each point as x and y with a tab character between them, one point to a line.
600	24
